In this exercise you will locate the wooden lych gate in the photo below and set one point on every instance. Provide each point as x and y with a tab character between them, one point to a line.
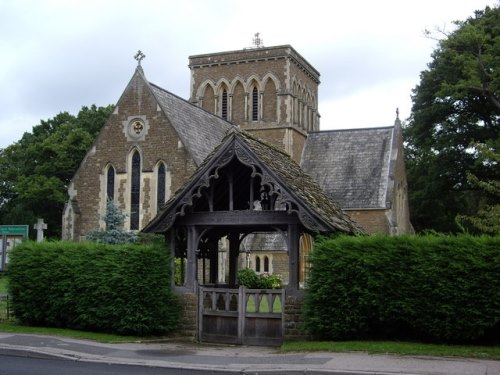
244	187
241	316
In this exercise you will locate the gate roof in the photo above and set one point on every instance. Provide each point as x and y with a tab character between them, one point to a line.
316	211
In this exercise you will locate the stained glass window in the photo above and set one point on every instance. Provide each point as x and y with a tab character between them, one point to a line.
135	191
160	196
110	189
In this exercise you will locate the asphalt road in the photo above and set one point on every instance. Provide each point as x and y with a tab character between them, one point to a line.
18	365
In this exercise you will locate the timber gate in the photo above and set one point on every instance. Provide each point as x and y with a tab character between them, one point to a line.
241	316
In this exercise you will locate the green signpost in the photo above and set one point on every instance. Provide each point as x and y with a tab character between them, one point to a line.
7	231
14	230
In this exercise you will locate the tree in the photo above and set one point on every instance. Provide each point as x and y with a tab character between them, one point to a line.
487	219
455	106
114	232
36	170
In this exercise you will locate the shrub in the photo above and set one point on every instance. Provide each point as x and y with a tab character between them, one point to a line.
249	278
122	289
432	288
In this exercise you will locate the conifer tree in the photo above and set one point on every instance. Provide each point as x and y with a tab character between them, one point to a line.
114	232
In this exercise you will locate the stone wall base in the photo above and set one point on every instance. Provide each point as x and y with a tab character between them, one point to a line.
294	320
188	303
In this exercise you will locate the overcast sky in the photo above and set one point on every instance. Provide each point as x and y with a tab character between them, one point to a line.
63	54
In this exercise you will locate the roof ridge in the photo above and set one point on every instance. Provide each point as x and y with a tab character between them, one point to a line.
350	129
188	102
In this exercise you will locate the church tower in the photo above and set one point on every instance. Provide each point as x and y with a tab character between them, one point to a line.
269	91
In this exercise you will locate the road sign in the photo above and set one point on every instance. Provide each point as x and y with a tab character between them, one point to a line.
14	230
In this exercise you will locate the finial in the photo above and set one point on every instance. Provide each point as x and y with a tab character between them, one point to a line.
257	41
397	113
139	56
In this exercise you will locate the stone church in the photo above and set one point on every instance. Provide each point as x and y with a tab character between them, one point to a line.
155	141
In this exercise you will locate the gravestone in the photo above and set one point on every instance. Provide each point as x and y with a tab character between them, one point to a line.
40	226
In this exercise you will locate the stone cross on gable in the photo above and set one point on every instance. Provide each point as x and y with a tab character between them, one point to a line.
39	227
139	56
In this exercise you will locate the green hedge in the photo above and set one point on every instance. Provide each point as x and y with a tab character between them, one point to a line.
430	288
123	289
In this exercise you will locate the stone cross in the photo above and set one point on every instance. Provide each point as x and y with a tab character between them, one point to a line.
39	227
139	56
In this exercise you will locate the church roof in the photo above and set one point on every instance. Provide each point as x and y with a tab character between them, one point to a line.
352	166
199	130
316	210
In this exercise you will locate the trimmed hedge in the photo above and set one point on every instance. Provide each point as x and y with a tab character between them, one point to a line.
428	288
123	289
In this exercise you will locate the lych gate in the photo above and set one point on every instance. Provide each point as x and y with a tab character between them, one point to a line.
244	187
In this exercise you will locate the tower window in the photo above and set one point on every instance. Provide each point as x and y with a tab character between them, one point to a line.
135	191
255	104
110	188
224	104
160	196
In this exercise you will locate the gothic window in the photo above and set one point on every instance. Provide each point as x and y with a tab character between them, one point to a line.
266	264
257	264
110	183
224	104
135	191
255	104
160	192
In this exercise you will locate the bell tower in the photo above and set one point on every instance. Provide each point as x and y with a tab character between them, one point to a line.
269	91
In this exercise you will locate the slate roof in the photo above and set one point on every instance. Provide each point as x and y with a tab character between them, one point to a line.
199	130
279	166
352	166
264	242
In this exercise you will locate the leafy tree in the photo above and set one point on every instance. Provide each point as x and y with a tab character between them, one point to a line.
36	170
114	232
487	219
455	105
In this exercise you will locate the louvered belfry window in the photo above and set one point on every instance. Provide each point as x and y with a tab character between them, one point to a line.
224	104
135	191
255	104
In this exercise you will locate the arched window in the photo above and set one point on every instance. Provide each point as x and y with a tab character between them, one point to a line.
257	264
160	188
255	104
110	183
266	264
224	104
135	191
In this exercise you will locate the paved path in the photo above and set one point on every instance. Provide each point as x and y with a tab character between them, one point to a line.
245	359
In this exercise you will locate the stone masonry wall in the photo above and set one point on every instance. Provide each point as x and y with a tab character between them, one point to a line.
373	221
114	146
187	327
293	325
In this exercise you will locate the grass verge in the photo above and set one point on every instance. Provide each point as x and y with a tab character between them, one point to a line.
394	347
99	337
